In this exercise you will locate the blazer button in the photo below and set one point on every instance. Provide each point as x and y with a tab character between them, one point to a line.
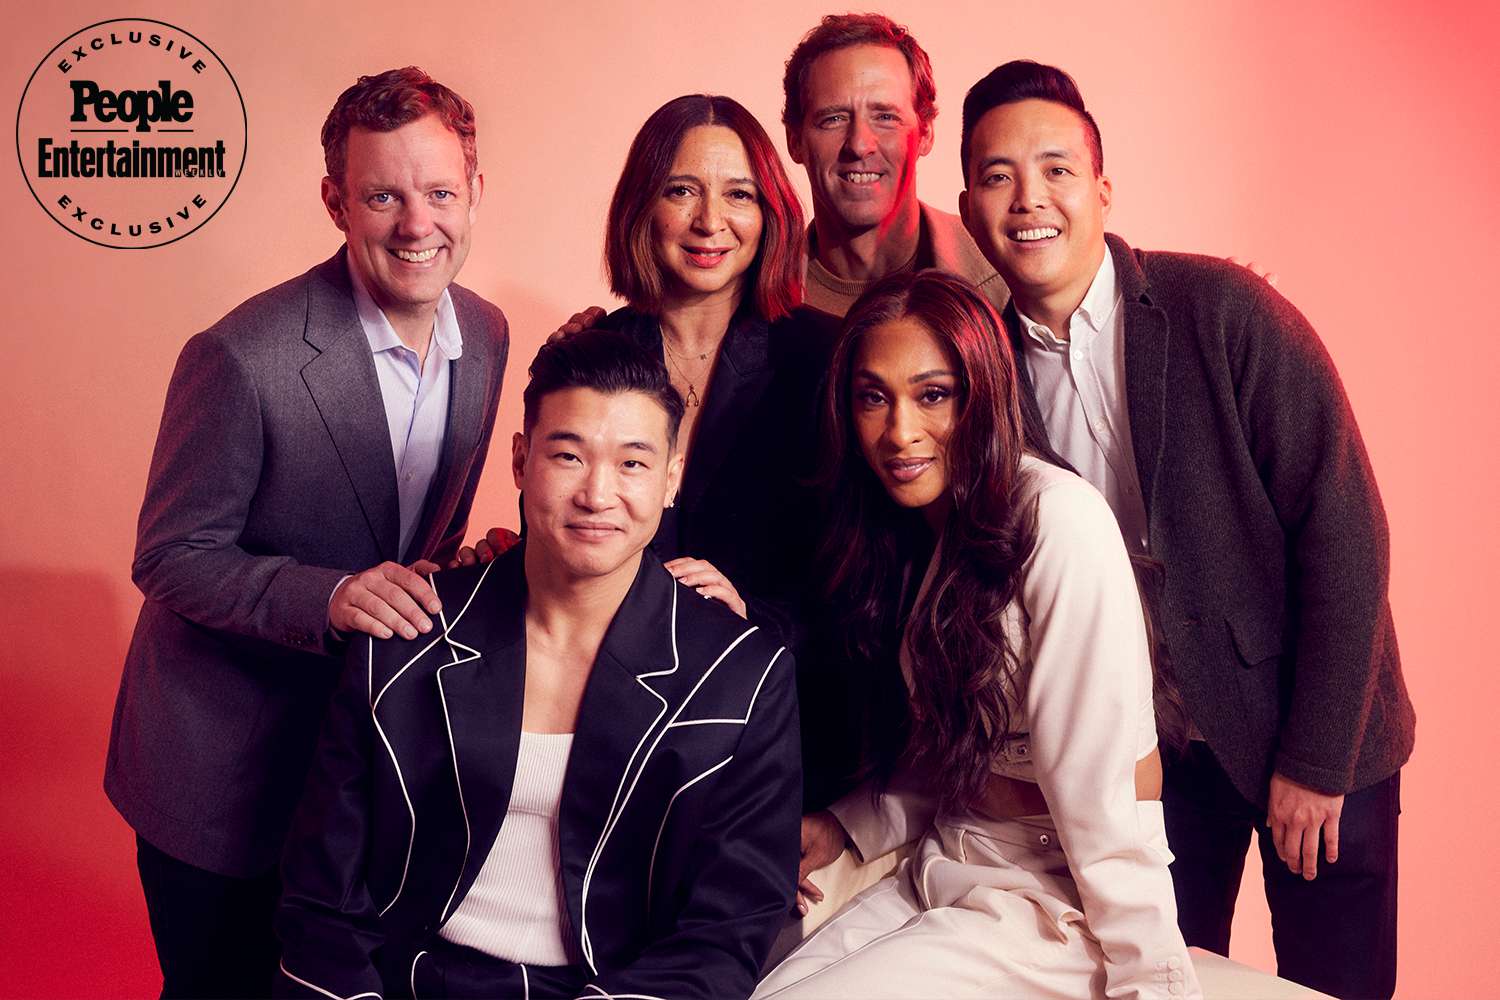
1044	840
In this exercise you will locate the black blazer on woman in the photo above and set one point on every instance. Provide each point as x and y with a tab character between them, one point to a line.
742	506
680	808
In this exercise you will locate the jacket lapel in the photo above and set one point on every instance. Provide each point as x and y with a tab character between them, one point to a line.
624	708
467	388
737	385
483	689
1146	350
342	382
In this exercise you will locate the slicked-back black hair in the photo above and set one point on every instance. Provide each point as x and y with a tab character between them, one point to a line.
606	361
1025	80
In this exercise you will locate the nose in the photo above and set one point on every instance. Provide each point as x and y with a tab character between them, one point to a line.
902	426
1029	193
709	218
598	490
415	221
859	140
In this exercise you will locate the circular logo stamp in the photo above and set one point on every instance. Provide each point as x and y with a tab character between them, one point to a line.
131	133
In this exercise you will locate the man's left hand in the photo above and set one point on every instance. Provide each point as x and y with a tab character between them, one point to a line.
1297	815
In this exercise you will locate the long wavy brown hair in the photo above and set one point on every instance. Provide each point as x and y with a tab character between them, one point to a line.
964	668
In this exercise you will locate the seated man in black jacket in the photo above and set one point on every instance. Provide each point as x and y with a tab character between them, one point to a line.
587	781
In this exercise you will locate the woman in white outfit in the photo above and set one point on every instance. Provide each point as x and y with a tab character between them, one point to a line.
1029	772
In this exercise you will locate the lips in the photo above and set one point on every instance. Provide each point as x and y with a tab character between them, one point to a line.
707	257
1034	234
415	256
593	530
905	470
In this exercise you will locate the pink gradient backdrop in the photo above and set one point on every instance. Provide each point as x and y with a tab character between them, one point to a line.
1349	146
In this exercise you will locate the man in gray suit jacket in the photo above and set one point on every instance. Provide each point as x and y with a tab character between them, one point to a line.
319	444
1205	409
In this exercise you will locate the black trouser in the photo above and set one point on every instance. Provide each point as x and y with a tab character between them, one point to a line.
213	932
1336	933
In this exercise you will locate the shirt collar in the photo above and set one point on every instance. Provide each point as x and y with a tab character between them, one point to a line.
446	338
1094	311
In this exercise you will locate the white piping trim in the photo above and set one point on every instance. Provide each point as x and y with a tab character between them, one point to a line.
453	752
417	958
375	701
312	986
748	709
651	870
618	810
612	996
390	750
400	780
525	983
587	945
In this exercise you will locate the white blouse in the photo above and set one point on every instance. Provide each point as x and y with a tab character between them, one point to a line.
1086	705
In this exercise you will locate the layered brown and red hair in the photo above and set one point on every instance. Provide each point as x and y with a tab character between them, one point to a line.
635	273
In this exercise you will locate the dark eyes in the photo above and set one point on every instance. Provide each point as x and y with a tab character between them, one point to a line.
569	457
929	396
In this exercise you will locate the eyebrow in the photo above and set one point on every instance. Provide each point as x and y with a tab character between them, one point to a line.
865	373
572	437
677	178
933	373
1005	161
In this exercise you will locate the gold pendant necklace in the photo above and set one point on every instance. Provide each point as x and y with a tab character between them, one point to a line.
692	398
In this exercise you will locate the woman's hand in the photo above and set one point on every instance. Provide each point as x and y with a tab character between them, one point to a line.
496	542
823	842
701	575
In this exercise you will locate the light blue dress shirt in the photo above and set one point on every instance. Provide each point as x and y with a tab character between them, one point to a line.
415	398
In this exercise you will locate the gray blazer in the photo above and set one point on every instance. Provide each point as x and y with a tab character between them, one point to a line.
272	479
1262	506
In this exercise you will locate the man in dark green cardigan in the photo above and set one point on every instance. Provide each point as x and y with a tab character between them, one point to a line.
1204	407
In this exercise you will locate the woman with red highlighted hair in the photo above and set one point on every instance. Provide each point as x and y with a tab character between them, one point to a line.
705	242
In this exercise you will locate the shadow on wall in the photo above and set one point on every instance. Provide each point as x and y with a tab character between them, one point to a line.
68	884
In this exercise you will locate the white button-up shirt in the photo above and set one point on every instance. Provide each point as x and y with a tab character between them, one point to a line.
1080	388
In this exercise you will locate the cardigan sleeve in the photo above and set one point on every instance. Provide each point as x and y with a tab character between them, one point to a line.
1306	445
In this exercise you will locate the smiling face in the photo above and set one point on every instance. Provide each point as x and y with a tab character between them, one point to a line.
860	136
406	208
1034	203
707	222
596	471
904	391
